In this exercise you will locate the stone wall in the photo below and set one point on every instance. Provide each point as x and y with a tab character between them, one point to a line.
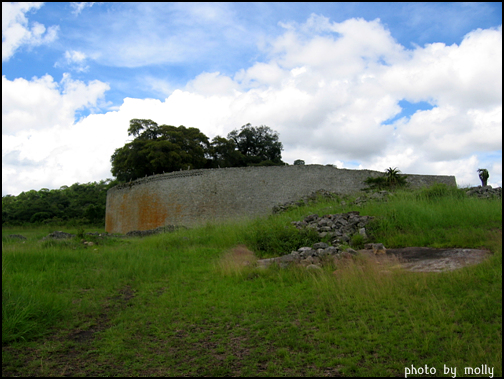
192	197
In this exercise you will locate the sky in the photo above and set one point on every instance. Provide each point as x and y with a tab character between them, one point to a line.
412	86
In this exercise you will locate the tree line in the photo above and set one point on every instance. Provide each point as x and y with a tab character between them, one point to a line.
158	149
79	203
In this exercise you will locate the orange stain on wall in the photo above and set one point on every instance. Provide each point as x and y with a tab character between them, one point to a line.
141	210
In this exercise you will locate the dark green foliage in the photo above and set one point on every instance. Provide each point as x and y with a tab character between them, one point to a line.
299	162
158	149
40	216
223	153
257	144
390	180
84	202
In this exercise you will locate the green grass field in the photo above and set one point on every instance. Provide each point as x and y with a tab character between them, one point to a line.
181	304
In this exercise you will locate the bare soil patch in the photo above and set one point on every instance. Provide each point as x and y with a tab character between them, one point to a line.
427	259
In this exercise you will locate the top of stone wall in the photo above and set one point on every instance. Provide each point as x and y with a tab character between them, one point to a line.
417	179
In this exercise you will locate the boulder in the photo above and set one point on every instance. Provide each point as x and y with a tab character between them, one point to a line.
378	248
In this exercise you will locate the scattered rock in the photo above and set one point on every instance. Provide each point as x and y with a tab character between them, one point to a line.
58	235
161	229
485	192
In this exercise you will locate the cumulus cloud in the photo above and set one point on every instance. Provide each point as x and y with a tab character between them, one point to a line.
16	32
42	103
328	88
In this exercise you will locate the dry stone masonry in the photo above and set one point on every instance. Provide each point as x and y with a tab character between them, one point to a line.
189	198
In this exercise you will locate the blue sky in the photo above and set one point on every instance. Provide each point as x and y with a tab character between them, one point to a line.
416	86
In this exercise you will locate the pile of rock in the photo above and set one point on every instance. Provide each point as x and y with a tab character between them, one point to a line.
312	258
339	227
485	192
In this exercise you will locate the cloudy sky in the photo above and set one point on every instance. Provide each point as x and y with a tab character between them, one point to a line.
417	86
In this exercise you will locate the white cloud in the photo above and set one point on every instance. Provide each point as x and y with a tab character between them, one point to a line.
74	60
16	32
42	103
79	6
327	88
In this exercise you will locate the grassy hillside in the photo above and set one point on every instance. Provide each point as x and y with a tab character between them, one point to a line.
183	304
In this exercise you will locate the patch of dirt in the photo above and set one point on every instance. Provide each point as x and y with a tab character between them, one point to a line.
427	259
236	259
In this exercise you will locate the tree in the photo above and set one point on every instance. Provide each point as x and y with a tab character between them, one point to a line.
299	162
257	144
157	149
483	175
223	153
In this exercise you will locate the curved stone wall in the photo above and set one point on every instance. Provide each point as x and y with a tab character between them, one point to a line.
197	196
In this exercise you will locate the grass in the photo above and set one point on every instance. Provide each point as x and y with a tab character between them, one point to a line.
192	303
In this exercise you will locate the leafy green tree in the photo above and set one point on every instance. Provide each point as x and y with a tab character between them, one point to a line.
224	153
483	175
299	162
257	144
157	149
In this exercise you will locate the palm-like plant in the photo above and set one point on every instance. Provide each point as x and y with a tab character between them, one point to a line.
483	175
390	179
393	178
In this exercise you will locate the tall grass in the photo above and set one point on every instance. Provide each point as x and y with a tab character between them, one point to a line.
192	303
